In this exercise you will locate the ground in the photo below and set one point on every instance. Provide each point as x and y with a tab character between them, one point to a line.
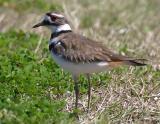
33	89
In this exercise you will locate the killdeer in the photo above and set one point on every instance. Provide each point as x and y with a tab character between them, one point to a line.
78	54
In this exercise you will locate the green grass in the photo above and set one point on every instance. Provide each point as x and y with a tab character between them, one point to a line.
33	89
25	80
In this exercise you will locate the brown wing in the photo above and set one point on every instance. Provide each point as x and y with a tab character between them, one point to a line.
77	48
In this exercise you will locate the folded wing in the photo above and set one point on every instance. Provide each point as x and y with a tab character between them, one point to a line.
76	48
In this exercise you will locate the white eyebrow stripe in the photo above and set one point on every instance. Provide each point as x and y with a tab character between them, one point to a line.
58	15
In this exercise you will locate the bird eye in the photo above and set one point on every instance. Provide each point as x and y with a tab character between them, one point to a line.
53	18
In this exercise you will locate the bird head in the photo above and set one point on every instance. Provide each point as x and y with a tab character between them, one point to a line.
56	22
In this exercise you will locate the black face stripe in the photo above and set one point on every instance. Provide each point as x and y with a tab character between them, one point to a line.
47	22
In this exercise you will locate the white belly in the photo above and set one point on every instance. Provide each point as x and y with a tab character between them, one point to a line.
80	68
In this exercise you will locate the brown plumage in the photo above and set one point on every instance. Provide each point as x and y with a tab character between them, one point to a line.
77	48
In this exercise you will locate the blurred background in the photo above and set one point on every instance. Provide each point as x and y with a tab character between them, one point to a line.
33	88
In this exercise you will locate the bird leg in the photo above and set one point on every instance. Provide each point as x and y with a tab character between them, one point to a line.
75	78
89	92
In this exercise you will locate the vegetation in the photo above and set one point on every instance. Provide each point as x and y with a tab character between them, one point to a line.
33	89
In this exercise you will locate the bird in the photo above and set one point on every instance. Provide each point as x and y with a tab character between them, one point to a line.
78	54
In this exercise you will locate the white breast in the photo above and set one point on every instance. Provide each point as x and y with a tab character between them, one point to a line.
80	68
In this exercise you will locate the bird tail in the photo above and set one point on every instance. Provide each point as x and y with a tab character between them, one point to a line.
136	62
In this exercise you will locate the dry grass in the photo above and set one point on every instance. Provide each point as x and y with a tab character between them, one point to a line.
128	27
127	98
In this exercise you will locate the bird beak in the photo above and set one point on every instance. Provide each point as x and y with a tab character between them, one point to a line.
39	24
